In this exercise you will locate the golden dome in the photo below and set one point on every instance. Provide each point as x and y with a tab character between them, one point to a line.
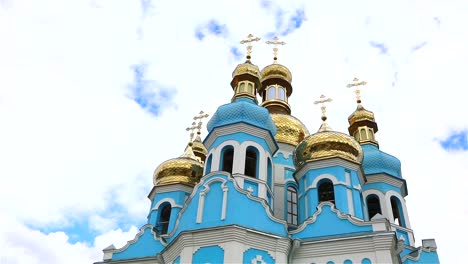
185	169
199	149
290	129
327	144
276	73
246	71
361	114
361	117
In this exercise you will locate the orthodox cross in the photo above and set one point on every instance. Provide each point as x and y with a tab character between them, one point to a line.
199	117
275	42
356	83
249	40
323	100
191	129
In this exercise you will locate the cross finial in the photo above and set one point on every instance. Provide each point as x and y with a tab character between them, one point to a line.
249	40
323	100
356	83
275	42
191	129
199	117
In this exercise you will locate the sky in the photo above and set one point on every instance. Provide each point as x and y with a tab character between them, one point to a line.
94	95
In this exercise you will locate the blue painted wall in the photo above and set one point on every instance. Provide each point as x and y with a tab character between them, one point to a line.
211	254
145	246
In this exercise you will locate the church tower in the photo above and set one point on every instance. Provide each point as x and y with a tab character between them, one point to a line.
260	189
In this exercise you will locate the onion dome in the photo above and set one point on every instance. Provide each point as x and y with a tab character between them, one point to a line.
376	161
276	84
185	169
290	130
362	125
246	76
242	110
199	149
327	144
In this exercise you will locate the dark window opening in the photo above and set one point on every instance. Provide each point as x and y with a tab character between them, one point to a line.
251	163
228	156
396	211
292	205
373	206
326	192
164	217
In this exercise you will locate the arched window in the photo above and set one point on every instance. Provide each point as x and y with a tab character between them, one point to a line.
397	211
227	159
373	205
371	134
251	162
241	87
292	205
250	88
164	217
271	93
269	174
208	164
281	93
363	134
326	192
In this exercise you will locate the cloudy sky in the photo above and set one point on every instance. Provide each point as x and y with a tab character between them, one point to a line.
95	94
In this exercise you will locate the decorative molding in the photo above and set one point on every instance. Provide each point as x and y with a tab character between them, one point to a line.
385	178
354	220
241	128
223	234
168	200
330	162
137	236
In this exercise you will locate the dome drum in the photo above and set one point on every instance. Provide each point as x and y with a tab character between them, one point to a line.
271	80
246	71
277	106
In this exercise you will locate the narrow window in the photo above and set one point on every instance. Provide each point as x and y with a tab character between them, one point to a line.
208	165
251	162
363	134
356	135
164	217
281	93
269	174
326	192
373	205
396	210
271	92
250	88
371	134
241	87
292	205
228	155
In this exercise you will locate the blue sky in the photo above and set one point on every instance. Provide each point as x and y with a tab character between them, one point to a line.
94	95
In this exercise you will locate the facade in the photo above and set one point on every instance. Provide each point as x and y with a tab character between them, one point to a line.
260	189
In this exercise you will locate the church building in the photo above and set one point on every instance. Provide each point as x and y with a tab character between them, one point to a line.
259	188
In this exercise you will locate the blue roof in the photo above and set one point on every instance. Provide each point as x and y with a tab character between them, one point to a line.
242	110
377	161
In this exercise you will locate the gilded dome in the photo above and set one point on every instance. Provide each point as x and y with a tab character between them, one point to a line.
246	71
290	130
276	73
360	117
327	144
361	114
199	149
184	169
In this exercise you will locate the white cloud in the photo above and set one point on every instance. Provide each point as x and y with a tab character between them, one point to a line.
21	244
74	144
